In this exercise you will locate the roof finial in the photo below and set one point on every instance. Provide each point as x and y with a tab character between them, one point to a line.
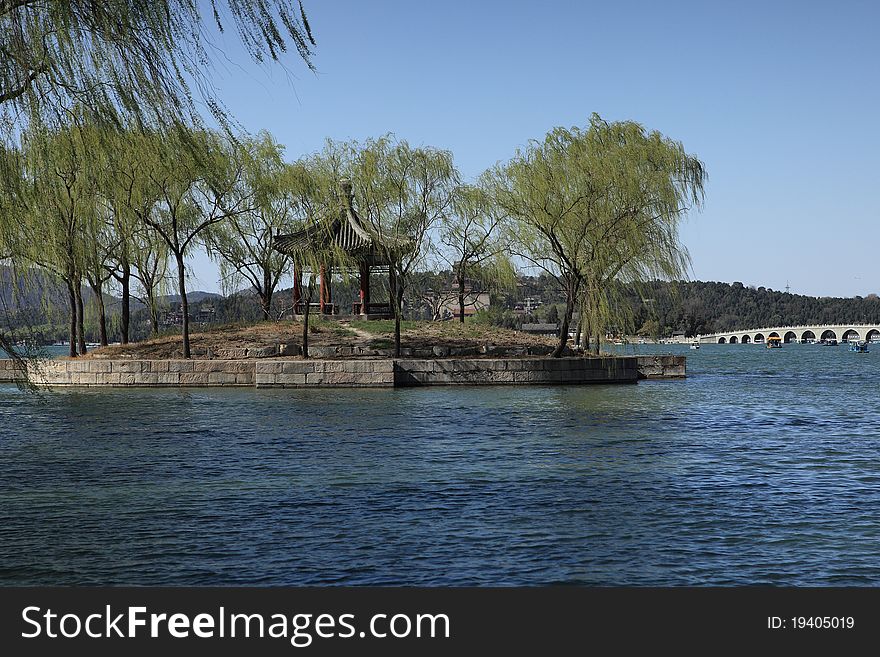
346	194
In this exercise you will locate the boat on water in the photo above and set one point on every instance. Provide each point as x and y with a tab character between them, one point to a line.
860	347
774	342
695	345
829	343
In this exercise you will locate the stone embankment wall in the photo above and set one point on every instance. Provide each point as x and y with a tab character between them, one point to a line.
9	371
349	373
662	367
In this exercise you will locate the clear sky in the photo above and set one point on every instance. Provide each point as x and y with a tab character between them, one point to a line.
779	99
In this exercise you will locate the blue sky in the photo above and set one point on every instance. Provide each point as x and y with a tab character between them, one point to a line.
779	99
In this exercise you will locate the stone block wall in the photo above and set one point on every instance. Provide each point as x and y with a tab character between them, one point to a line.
9	371
304	373
347	373
501	371
93	372
662	367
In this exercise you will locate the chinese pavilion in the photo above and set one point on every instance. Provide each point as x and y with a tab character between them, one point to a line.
347	233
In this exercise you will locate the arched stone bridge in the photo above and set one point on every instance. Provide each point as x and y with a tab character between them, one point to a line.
814	333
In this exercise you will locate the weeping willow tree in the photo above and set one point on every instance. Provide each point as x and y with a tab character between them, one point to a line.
313	185
600	204
126	62
540	190
653	183
402	195
11	237
143	60
150	260
243	245
59	212
472	245
195	174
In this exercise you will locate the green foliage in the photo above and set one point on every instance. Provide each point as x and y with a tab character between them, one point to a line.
472	242
708	307
596	205
244	243
597	209
132	60
402	193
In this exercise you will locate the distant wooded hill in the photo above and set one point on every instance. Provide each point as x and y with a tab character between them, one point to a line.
706	307
35	306
660	308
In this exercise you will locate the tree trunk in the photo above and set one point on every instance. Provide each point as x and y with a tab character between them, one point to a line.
579	334
125	281
80	317
397	333
563	332
394	297
596	348
305	337
72	297
266	295
153	306
184	304
97	288
461	295
306	310
571	295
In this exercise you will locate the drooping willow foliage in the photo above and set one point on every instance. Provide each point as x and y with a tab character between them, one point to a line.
597	205
136	60
126	64
598	208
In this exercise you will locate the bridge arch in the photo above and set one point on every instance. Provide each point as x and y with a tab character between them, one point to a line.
829	335
774	334
759	337
789	337
722	340
873	335
746	339
807	336
732	339
851	336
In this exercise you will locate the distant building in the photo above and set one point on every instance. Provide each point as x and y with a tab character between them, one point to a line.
678	336
527	306
473	302
206	313
172	317
541	329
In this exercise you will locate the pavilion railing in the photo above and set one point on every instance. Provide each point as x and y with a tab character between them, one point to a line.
373	309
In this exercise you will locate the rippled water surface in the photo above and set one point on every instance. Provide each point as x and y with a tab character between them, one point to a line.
762	467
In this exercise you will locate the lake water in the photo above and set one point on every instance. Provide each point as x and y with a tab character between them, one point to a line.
762	467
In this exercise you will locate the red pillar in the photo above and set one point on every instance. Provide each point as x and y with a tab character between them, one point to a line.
365	288
297	286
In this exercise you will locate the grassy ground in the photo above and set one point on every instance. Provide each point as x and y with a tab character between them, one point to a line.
376	334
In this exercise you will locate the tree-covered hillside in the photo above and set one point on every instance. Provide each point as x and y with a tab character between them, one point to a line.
706	307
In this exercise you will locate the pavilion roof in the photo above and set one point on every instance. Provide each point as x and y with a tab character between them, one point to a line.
347	232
